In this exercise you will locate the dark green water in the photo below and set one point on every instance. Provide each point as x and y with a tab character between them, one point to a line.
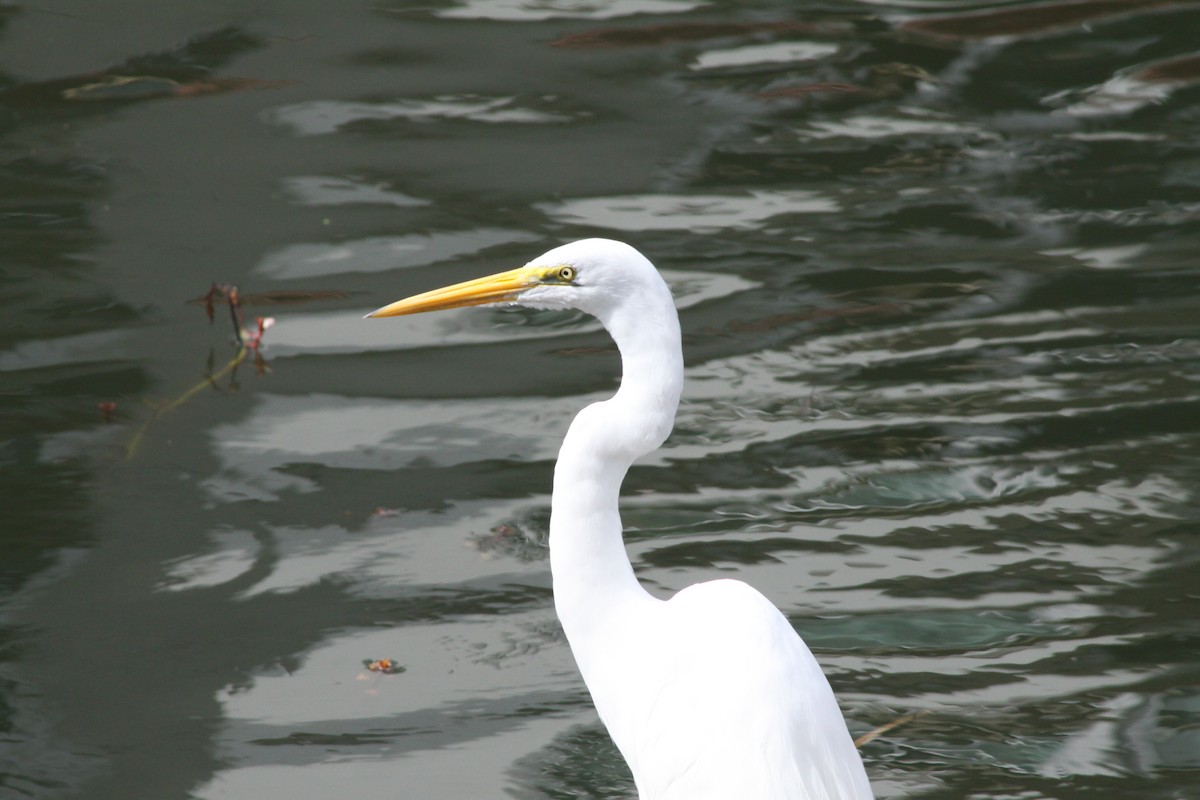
940	290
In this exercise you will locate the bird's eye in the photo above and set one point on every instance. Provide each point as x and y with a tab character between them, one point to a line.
566	274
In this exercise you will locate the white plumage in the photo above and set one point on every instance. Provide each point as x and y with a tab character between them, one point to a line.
710	695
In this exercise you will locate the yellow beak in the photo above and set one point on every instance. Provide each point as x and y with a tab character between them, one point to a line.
492	289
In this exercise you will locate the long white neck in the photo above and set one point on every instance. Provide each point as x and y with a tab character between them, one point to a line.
594	584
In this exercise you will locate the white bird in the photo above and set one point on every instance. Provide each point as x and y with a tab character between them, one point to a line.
710	695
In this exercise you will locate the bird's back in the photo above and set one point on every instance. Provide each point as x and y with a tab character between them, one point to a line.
715	696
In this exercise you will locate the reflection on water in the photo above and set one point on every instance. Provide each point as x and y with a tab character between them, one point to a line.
324	116
936	271
687	212
380	253
324	190
524	10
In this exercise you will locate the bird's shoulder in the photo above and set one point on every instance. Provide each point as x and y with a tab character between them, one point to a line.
724	590
733	623
728	602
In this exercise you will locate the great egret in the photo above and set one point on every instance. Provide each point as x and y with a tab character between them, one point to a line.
710	694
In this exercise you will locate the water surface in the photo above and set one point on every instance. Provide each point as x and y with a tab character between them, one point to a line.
936	266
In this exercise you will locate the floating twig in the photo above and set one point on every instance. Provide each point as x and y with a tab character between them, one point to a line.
882	729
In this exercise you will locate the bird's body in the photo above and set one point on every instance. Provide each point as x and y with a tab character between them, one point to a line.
710	695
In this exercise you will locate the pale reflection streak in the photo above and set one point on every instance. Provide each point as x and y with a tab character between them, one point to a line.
532	10
874	127
358	433
329	694
83	348
693	212
375	774
771	53
382	253
329	190
320	117
328	684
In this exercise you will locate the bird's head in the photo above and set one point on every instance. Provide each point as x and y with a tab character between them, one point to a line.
591	275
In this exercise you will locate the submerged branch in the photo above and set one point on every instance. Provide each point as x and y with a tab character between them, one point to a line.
248	342
131	447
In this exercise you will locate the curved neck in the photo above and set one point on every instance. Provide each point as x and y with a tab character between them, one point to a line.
593	579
